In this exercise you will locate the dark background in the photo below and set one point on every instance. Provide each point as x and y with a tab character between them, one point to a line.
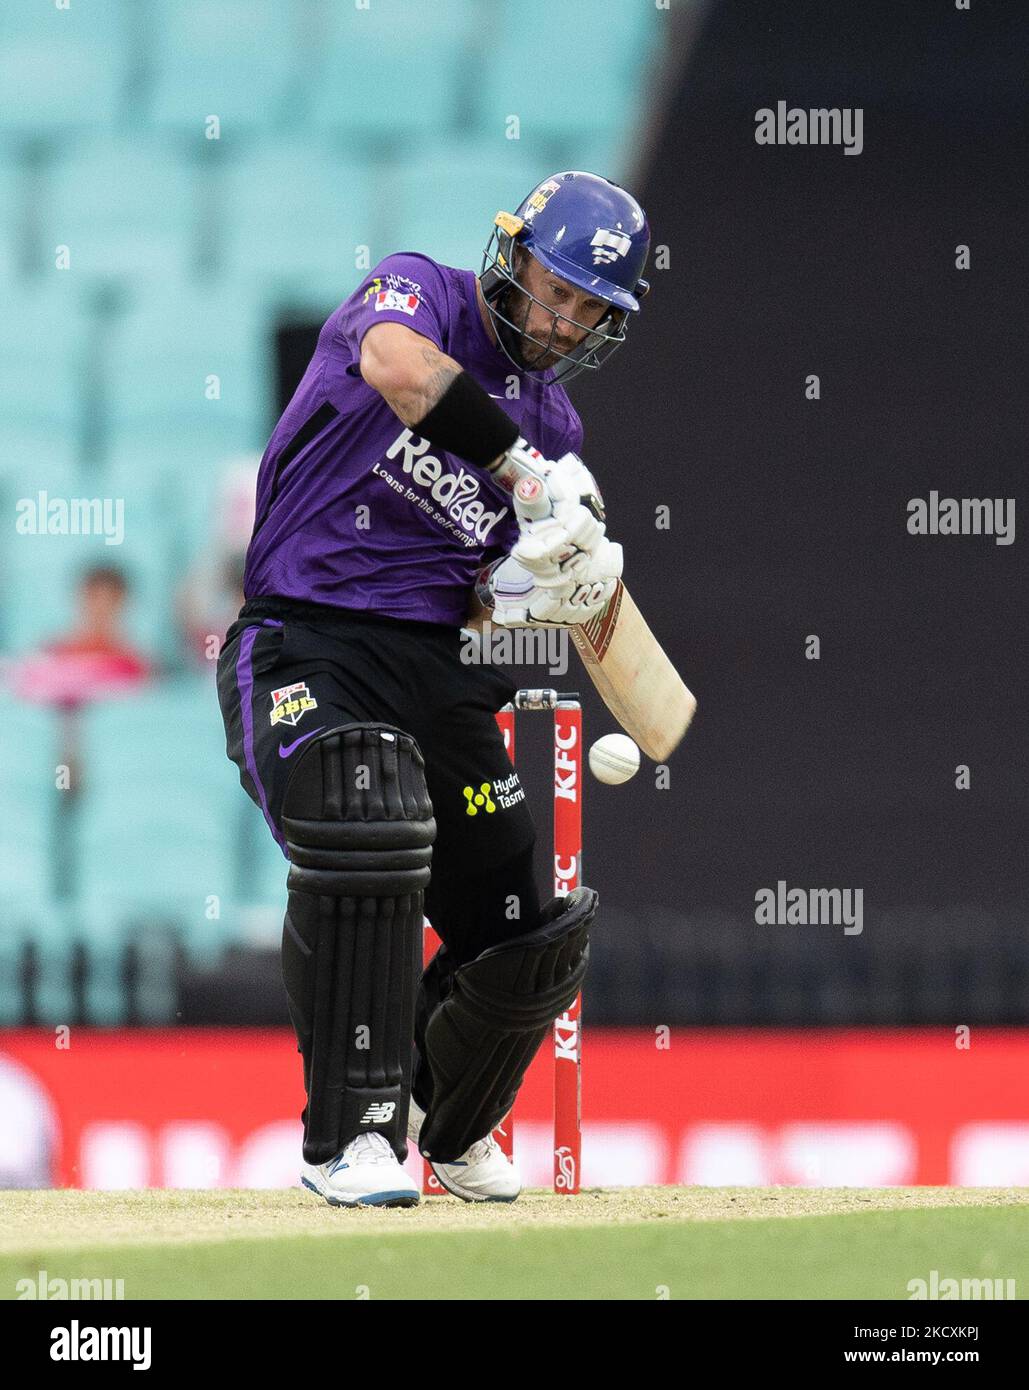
788	518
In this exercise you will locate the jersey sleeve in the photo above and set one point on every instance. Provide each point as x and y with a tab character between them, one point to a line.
404	288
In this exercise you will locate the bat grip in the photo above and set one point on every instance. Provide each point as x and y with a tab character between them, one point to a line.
531	499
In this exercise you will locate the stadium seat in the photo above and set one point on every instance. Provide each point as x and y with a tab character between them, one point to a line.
125	207
12	194
12	959
151	553
582	76
35	937
28	762
235	60
24	440
29	830
62	68
293	211
444	204
607	153
45	352
54	935
155	987
38	576
156	839
266	866
184	363
394	69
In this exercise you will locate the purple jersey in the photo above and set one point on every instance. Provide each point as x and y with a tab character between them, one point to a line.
353	509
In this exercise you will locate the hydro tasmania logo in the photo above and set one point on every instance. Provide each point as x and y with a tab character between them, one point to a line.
502	793
451	499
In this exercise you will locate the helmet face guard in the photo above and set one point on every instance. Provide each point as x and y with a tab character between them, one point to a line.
501	290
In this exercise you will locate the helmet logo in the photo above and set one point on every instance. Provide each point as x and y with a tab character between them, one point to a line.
538	201
608	246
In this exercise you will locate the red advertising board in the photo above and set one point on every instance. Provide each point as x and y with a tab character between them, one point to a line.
210	1108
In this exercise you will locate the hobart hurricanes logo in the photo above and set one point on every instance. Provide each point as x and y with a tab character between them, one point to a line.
456	495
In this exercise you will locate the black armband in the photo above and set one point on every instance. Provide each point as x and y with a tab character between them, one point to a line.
467	421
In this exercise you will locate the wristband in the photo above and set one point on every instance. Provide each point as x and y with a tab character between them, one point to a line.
467	421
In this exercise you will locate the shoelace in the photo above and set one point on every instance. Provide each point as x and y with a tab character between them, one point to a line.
366	1148
482	1148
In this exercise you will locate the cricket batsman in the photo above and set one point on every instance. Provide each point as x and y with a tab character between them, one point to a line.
385	522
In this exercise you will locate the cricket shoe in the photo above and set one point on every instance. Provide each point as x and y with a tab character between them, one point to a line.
365	1174
483	1173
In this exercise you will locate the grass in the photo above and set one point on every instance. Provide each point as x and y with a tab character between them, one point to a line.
648	1243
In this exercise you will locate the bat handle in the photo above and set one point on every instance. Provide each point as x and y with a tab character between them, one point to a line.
531	499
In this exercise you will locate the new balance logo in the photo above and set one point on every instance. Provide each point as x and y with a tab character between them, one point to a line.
380	1113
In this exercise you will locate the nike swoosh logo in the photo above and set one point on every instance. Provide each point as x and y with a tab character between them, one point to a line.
285	749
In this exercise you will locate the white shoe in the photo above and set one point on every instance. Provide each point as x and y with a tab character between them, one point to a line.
483	1173
365	1174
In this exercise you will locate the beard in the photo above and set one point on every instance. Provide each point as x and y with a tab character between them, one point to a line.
535	353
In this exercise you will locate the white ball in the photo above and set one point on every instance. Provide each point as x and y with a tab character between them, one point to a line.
614	759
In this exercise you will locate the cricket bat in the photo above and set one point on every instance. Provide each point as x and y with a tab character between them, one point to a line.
634	677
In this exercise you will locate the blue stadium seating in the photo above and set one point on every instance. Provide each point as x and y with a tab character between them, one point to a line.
576	78
394	70
156	831
293	215
37	928
37	581
443	204
187	362
54	931
341	128
29	915
28	793
65	68
11	220
126	207
235	59
24	441
45	351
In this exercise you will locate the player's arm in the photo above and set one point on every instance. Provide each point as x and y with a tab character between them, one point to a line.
408	370
562	546
436	398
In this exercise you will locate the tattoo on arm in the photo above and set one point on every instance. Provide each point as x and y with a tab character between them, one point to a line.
413	403
443	371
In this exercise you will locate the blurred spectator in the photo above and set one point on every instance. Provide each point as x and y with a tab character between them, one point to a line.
211	595
95	660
